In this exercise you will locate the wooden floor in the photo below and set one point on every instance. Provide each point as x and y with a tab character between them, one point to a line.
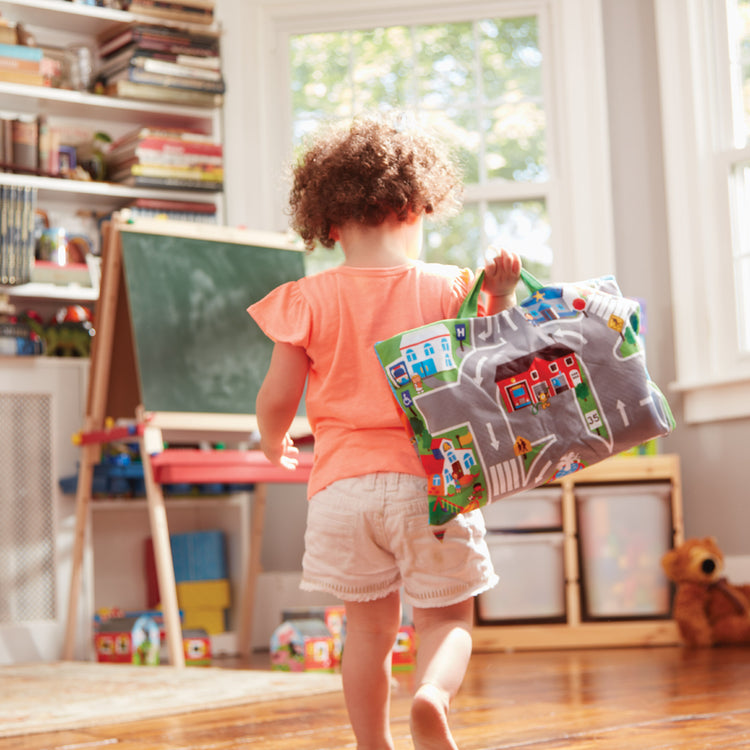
619	699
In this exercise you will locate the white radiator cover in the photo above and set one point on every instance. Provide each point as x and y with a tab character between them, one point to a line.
27	498
41	405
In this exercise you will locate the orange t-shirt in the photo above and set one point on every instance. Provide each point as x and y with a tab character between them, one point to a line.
337	316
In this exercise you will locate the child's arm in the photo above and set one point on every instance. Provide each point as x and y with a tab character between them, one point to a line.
501	275
277	402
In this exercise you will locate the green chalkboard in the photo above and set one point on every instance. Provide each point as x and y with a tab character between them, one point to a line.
196	347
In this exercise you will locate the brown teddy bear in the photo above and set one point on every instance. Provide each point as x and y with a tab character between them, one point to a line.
708	610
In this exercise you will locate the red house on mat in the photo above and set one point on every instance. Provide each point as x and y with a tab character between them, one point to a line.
537	377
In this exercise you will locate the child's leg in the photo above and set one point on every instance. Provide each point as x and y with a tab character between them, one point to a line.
371	629
442	658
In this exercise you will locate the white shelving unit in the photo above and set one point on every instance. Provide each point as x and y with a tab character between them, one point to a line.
55	23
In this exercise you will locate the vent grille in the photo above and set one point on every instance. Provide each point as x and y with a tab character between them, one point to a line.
27	519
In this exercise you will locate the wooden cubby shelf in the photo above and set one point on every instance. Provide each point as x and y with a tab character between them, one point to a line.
575	632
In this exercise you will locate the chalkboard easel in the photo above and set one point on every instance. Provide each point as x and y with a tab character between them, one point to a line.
177	355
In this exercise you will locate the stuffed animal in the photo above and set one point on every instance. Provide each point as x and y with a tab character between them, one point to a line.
707	608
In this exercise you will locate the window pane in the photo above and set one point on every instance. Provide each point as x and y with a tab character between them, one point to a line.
477	82
320	81
512	86
514	136
741	249
446	66
524	227
742	17
458	241
743	284
382	65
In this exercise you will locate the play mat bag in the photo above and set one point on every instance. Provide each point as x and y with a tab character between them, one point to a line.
500	404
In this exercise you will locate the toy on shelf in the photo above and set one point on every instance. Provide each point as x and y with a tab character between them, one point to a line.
120	471
302	646
196	644
292	647
709	610
132	640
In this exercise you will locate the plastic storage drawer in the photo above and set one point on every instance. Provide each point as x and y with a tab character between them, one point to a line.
536	509
532	579
624	530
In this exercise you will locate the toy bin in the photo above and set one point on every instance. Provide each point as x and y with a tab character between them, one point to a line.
624	530
532	510
532	578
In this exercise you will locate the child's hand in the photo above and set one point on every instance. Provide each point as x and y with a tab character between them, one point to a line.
284	454
502	273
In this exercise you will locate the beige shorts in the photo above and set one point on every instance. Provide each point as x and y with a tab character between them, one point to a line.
369	535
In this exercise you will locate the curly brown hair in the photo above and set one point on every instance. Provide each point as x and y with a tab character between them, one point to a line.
365	172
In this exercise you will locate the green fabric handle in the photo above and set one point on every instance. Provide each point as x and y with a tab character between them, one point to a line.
470	306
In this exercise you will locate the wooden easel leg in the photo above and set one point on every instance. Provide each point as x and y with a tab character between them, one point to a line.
89	457
247	601
157	514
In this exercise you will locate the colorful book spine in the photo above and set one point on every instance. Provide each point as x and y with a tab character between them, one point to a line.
136	74
21	52
17	211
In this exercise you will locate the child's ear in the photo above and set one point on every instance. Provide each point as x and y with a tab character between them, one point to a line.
334	233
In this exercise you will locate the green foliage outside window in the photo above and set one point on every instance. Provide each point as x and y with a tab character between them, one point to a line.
479	84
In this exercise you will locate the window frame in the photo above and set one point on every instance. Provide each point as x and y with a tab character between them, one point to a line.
712	374
579	191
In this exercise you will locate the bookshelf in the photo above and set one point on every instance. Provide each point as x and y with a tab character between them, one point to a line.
56	24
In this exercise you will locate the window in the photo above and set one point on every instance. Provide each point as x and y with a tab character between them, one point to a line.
517	84
477	82
705	44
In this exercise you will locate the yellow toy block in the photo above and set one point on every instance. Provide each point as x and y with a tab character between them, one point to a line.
204	594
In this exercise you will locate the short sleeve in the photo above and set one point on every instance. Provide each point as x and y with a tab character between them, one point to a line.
462	284
284	315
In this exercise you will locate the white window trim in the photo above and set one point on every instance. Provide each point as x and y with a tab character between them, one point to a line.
258	129
713	377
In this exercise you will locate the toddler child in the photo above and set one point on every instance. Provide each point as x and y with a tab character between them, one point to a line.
368	187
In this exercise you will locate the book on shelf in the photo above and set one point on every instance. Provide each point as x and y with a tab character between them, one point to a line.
136	74
194	174
25	144
21	52
21	76
174	11
17	211
171	149
128	142
169	183
127	89
153	208
146	37
20	64
168	67
121	59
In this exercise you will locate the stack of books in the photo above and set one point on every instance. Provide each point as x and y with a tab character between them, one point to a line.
167	158
17	211
21	64
202	212
162	64
185	11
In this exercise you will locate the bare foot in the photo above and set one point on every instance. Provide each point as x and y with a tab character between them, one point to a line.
429	720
